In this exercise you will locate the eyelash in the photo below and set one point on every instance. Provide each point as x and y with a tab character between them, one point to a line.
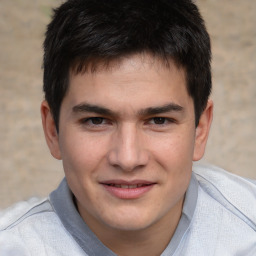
90	120
100	121
165	120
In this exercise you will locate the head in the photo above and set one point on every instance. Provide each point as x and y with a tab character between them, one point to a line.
126	86
85	34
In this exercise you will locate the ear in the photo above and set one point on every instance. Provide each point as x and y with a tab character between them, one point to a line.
50	132
202	131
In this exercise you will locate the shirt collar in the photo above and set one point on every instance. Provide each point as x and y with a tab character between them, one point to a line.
63	204
188	210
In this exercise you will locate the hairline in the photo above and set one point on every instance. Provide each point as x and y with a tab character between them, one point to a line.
96	64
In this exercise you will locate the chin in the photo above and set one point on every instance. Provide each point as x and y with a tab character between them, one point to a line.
130	223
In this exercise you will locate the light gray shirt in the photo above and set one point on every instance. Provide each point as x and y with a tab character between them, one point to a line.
218	218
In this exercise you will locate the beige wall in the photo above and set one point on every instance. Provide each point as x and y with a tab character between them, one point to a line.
27	169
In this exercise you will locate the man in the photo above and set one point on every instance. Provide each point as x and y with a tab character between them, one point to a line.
127	111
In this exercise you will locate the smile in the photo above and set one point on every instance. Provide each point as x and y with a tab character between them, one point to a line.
127	186
128	190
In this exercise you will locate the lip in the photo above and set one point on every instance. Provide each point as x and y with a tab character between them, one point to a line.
129	192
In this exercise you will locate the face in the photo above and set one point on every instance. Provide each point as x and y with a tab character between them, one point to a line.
127	139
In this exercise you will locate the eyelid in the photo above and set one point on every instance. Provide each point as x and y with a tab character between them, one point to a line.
88	121
169	120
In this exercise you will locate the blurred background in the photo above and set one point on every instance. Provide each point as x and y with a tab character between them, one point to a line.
27	168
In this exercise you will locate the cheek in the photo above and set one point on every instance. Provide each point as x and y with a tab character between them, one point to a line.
174	156
176	159
82	158
175	149
81	155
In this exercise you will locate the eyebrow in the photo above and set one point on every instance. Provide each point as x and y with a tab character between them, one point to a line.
85	107
171	107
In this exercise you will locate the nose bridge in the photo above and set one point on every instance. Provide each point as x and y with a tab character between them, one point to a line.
128	152
129	142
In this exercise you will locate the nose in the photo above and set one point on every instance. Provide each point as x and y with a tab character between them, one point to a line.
127	151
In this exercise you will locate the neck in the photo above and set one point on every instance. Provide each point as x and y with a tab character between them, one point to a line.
141	243
150	241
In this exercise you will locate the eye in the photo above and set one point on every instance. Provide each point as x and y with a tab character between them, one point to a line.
95	123
96	120
159	120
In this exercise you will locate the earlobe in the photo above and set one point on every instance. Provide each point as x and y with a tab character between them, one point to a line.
202	131
50	132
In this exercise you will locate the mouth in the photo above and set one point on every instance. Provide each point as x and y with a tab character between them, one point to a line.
128	190
127	186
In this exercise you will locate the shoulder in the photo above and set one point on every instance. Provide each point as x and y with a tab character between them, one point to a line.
224	221
34	228
23	210
18	224
234	193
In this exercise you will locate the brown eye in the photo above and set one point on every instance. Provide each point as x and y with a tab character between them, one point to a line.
159	120
96	120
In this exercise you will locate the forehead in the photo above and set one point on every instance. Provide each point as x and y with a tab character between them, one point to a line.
139	79
98	64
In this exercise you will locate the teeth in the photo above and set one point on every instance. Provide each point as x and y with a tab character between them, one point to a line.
127	186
